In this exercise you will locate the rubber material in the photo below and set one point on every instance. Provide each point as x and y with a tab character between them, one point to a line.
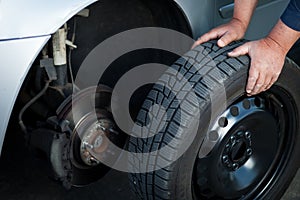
208	80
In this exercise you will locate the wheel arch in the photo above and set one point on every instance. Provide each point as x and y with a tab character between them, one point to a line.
26	39
14	72
16	37
53	14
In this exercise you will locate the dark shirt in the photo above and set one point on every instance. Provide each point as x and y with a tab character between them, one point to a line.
291	15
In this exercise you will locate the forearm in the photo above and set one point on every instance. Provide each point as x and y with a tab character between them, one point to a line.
283	36
243	11
287	30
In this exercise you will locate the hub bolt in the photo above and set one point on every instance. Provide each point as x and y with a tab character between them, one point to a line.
240	134
98	141
247	134
93	160
225	159
249	152
232	139
235	166
227	148
87	145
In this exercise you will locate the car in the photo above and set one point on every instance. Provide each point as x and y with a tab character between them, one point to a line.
113	84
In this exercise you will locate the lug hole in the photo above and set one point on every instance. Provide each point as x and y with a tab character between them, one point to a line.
257	102
246	104
234	111
213	136
223	122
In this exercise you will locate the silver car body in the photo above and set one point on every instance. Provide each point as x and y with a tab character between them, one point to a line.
26	26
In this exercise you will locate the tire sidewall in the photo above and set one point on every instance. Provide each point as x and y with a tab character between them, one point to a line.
235	88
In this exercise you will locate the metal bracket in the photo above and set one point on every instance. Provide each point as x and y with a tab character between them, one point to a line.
48	64
60	152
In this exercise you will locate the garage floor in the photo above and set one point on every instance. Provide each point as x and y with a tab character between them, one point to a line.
23	176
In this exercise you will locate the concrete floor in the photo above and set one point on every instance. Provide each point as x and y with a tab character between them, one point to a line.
293	193
24	177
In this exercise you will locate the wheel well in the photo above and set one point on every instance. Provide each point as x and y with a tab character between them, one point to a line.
106	18
169	15
110	17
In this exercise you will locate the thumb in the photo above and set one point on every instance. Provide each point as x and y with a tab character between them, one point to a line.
239	51
227	38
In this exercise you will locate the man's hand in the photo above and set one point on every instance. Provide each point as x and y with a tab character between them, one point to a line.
235	29
227	33
267	59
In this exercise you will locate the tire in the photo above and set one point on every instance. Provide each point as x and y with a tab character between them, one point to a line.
253	140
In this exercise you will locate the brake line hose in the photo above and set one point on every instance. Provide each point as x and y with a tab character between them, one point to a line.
32	101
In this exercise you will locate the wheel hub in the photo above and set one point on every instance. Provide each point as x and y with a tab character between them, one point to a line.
91	129
237	150
95	141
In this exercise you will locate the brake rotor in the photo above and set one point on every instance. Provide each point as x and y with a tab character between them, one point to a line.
92	129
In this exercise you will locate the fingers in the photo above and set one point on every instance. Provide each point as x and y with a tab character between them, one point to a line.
227	38
259	82
239	51
205	38
260	86
252	80
253	84
266	64
226	33
272	81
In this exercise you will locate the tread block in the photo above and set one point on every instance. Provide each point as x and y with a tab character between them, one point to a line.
206	68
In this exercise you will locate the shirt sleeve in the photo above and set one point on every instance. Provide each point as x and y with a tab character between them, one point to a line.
291	15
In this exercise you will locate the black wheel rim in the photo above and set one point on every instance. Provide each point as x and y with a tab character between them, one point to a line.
256	137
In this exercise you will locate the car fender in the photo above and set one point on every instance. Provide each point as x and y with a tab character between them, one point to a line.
22	37
16	58
30	18
194	14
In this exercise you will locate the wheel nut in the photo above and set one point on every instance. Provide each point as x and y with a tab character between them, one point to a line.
240	133
225	159
249	152
247	134
235	166
227	147
232	139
